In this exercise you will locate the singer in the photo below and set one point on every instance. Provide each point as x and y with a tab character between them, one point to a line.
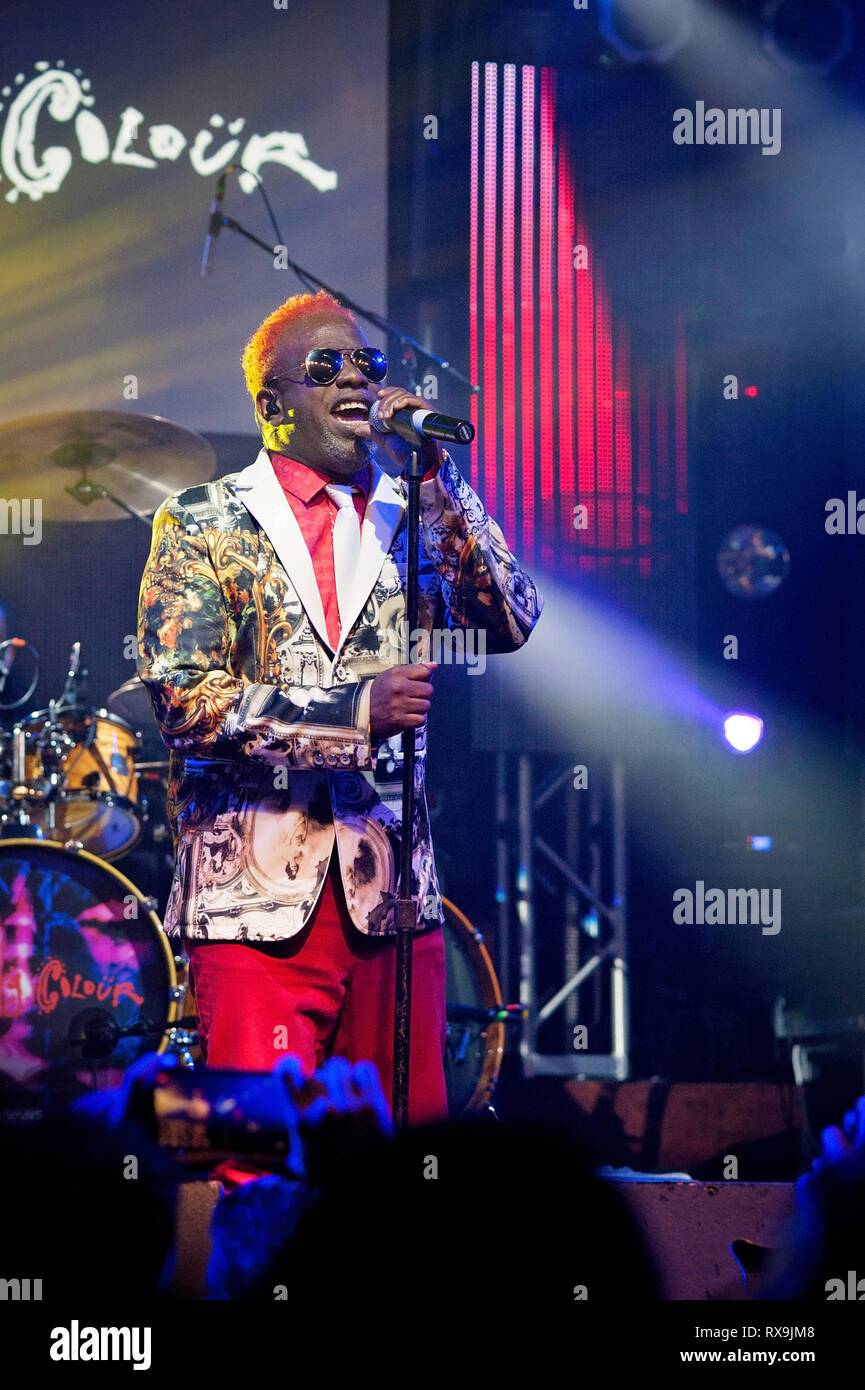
270	618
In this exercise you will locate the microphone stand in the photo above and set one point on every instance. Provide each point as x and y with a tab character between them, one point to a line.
405	908
382	324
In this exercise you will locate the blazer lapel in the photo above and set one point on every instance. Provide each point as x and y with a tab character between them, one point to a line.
383	513
257	487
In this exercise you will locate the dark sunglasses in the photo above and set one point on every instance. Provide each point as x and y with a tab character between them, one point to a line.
323	365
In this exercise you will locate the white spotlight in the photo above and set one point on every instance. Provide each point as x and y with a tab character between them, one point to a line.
743	731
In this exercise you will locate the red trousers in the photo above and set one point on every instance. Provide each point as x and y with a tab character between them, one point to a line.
329	991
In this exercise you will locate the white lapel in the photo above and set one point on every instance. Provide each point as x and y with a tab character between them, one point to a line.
384	510
258	488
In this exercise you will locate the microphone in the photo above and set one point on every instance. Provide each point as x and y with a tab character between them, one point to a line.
72	688
417	425
214	226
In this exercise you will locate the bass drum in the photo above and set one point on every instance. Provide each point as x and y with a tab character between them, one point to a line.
89	980
473	1052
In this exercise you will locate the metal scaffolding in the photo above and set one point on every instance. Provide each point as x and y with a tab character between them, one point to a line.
573	963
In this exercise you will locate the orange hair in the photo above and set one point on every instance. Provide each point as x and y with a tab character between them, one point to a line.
260	351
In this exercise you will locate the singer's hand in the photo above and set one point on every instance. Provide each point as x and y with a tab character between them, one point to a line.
393	445
400	699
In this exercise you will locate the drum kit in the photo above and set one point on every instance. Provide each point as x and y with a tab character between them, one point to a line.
88	977
91	980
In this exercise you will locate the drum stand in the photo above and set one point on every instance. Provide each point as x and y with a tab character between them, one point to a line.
24	793
18	825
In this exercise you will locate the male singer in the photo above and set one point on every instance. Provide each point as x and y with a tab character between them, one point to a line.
270	634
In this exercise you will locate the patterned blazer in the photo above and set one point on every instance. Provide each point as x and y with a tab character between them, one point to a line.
268	726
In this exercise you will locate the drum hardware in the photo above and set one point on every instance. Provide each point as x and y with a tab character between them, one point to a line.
183	1035
96	1033
100	465
8	652
180	1043
467	1013
159	832
15	792
460	1038
75	690
10	656
42	790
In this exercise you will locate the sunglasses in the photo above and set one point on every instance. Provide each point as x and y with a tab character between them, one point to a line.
323	365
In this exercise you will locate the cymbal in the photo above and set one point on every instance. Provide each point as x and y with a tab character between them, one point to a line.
141	459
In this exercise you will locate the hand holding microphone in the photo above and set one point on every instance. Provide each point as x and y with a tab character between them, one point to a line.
399	420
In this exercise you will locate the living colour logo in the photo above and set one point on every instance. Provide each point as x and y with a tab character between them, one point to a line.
56	96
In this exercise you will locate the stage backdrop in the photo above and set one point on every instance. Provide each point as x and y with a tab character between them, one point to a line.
114	126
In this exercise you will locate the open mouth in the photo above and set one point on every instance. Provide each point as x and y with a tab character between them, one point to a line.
351	413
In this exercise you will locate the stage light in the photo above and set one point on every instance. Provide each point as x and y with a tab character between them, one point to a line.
801	36
743	731
646	31
591	924
753	561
